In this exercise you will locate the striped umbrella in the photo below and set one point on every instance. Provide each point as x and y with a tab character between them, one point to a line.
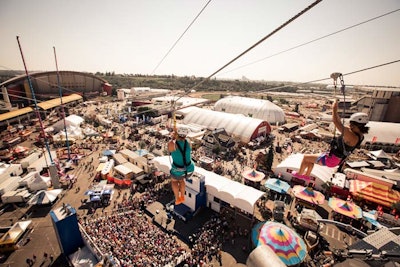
308	194
285	242
346	208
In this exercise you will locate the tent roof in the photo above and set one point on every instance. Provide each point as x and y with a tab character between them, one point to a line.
256	108
380	154
293	162
234	124
239	195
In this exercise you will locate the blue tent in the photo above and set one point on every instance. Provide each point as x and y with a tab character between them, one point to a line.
277	185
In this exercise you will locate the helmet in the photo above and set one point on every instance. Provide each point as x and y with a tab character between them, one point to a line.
182	131
359	117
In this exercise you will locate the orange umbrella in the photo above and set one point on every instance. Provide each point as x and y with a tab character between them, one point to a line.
346	208
308	194
253	175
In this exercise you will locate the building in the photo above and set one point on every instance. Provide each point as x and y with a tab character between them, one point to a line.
381	105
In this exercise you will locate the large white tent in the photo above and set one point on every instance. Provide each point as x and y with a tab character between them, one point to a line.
322	174
236	194
251	107
236	125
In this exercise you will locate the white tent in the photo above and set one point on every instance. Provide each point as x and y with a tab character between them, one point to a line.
235	125
236	194
379	154
35	181
251	107
293	161
44	197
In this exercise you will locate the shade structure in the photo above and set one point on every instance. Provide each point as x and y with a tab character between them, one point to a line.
308	194
277	185
108	152
285	242
346	208
44	197
376	193
253	175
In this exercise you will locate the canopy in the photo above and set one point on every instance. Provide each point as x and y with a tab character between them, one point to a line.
345	208
236	194
284	241
253	175
44	197
277	185
380	154
377	193
308	194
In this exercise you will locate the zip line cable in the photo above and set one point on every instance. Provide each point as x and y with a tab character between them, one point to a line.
329	78
314	40
259	42
180	37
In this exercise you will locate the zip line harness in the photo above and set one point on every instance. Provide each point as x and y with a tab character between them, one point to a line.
337	145
186	162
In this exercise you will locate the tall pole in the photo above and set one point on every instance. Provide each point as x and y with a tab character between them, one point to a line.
35	102
62	105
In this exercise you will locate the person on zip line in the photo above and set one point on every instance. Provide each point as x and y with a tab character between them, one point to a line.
341	146
182	165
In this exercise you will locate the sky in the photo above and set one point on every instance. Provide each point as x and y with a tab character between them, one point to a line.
133	36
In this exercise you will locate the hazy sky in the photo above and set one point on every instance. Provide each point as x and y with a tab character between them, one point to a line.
132	36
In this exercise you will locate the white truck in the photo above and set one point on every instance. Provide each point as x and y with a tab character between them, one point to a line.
16	196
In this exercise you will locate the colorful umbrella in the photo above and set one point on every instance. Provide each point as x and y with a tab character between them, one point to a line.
346	208
308	194
253	175
285	242
277	185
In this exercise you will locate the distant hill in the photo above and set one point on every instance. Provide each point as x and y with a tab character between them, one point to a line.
173	82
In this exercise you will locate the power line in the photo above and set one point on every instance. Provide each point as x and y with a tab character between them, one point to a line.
314	40
260	41
180	37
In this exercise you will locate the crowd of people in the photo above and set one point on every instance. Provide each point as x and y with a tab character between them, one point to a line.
133	240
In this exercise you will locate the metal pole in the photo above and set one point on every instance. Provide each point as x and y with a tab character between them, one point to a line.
35	102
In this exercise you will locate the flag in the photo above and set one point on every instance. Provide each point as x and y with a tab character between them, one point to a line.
397	140
374	139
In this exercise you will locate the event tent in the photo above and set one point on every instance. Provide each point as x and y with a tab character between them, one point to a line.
239	126
251	107
322	174
236	194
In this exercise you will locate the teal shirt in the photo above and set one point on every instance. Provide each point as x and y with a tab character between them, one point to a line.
177	158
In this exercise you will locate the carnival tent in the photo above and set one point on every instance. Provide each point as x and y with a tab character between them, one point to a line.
322	174
374	192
